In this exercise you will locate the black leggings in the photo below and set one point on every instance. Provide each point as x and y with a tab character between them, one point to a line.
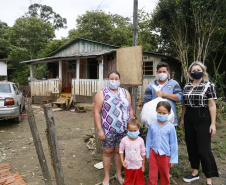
197	123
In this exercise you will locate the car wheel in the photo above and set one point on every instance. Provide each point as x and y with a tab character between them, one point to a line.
18	119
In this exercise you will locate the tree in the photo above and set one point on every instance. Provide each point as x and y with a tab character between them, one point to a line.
102	27
4	43
51	46
31	33
47	14
146	37
187	27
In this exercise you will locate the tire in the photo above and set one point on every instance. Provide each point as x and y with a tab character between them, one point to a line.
18	119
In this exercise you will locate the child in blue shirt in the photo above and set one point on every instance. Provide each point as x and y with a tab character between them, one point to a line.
161	146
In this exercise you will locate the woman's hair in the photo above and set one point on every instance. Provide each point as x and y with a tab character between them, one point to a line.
133	121
205	75
164	104
115	72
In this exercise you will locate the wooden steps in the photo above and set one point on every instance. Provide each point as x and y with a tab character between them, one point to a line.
7	178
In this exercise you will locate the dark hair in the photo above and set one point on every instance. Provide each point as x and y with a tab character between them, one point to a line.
116	72
164	104
133	121
162	64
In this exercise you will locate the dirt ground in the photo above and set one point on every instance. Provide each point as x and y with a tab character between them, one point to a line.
17	149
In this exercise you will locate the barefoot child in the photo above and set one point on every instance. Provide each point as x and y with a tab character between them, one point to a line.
161	146
134	163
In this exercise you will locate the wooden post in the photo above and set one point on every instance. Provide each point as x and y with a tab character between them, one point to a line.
38	145
31	72
134	99
53	144
77	69
135	23
60	69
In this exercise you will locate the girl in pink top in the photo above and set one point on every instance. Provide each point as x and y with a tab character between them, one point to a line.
134	163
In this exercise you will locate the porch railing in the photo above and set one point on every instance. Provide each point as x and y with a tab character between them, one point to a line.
40	87
86	87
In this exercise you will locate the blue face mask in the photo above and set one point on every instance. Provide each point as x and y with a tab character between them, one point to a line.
133	135
162	118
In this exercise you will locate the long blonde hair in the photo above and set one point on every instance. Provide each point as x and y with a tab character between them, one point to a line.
205	75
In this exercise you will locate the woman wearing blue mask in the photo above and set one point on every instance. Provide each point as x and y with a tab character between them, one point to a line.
112	110
198	120
161	146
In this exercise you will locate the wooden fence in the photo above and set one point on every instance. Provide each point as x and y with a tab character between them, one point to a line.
86	87
40	87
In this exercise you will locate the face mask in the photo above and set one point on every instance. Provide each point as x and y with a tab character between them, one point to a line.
133	135
162	76
197	75
162	118
113	84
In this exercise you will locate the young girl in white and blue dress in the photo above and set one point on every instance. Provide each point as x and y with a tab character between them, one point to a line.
161	146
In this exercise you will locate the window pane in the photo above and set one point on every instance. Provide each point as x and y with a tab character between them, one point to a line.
148	68
5	88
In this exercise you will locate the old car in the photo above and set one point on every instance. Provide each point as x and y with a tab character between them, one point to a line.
11	101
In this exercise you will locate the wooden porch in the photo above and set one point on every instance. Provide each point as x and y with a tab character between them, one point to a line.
84	87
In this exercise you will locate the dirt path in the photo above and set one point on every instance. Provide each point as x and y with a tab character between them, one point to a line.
17	149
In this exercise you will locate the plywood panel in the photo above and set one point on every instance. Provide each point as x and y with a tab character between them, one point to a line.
129	65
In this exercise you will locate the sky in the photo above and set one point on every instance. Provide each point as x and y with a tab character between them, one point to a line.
70	9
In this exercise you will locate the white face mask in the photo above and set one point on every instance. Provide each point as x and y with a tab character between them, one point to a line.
113	84
162	76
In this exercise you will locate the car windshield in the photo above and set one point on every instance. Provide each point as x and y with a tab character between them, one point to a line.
5	88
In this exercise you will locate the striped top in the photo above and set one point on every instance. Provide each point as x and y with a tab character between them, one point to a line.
115	111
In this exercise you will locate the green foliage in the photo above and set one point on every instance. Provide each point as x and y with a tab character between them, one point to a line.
47	14
221	112
192	30
50	47
180	131
31	33
145	36
41	71
102	27
217	80
5	44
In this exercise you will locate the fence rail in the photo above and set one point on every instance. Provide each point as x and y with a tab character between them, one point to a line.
86	87
40	87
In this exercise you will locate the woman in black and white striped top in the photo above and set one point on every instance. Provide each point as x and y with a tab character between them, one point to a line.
198	120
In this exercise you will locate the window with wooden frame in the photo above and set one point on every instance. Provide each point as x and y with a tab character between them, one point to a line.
148	68
71	65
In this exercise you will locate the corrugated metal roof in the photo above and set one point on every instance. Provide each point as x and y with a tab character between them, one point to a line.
86	54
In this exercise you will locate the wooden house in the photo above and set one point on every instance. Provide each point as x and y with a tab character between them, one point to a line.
81	68
3	67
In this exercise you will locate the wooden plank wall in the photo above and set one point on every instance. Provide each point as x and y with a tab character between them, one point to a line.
109	65
129	64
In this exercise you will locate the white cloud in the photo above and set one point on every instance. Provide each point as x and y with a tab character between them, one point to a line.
70	9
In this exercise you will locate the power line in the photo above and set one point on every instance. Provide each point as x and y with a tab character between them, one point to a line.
99	5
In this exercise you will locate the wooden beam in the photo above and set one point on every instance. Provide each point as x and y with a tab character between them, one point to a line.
38	145
31	72
53	144
60	69
77	69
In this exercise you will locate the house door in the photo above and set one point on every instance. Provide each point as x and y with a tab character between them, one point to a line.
92	68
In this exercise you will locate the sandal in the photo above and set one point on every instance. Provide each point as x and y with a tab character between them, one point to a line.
104	183
119	180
